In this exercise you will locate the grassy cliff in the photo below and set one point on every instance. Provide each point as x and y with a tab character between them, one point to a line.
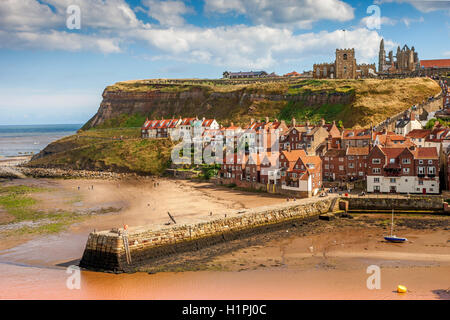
118	150
356	103
111	139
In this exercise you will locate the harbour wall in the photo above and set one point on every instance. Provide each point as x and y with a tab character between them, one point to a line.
112	251
118	250
413	203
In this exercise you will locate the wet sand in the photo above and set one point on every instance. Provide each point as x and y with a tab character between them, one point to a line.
317	260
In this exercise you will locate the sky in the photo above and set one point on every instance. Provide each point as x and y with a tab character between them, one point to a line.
57	56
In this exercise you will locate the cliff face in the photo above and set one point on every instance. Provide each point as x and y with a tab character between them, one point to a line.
238	106
355	102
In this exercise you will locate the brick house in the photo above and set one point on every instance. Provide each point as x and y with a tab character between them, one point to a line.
300	173
356	162
391	140
418	136
357	138
334	165
303	137
403	170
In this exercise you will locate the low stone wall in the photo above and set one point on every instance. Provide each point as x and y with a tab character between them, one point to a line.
427	203
106	250
69	173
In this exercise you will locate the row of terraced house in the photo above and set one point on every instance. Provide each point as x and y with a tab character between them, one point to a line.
309	156
386	161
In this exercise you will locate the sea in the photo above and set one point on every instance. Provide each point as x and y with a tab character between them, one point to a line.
19	140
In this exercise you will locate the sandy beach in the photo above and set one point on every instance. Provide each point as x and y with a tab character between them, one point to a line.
314	260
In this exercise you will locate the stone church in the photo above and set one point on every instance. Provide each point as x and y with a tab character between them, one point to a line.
344	67
406	60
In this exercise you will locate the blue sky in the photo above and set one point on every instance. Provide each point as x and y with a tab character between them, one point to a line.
52	74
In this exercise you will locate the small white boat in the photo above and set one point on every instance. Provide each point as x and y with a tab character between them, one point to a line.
394	238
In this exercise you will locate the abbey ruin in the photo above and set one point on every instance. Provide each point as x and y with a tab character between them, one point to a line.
406	60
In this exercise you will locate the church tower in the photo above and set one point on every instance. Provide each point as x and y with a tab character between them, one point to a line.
381	57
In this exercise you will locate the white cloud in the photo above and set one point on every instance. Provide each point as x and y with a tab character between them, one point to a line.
239	46
34	24
58	40
423	5
168	13
408	21
289	13
27	15
256	46
371	21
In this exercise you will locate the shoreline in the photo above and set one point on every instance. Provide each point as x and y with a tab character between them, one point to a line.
273	265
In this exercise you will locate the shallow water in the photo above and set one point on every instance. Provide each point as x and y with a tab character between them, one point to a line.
19	140
25	282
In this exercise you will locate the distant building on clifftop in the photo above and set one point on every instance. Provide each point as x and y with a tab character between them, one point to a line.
248	74
344	67
406	60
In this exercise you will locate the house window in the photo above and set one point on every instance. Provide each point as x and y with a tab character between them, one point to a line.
430	161
431	170
420	161
350	165
350	157
405	170
420	182
392	180
326	158
341	159
376	170
376	161
406	161
341	168
376	180
361	173
421	170
327	167
376	188
392	160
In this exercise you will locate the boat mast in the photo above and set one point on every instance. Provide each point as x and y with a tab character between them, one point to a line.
392	223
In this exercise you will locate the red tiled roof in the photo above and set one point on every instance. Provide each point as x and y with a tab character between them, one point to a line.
293	155
357	134
436	63
418	133
357	151
426	153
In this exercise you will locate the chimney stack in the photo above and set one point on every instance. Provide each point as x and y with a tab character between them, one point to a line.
267	119
322	122
293	122
307	123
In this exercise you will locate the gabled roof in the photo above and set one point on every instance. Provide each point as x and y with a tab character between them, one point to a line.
426	153
293	155
357	151
418	133
357	134
335	153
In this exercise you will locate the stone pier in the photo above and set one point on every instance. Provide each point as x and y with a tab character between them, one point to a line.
112	251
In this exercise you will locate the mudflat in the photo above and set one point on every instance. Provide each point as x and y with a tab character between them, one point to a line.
313	259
